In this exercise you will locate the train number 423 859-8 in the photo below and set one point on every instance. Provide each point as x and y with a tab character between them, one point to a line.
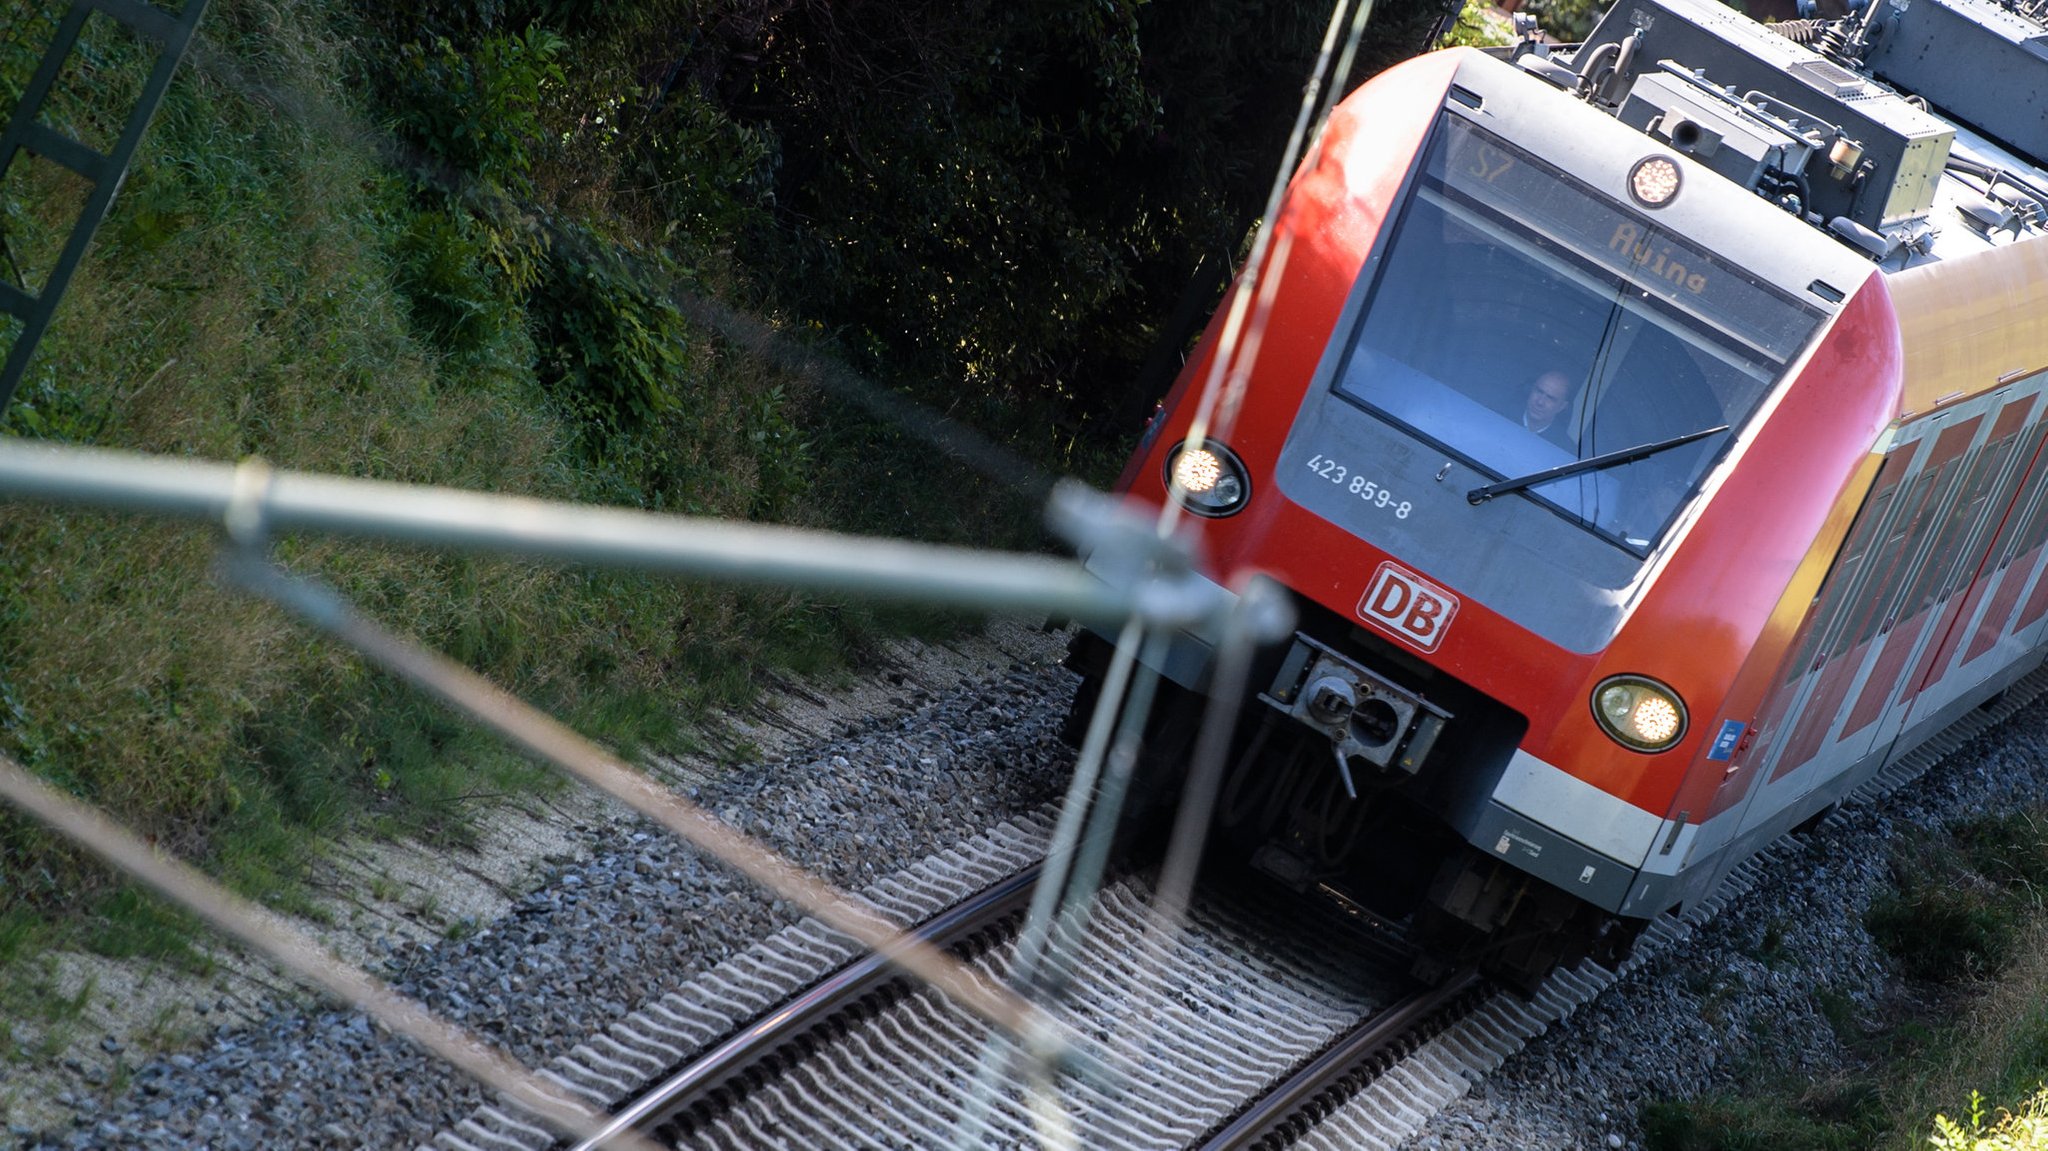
1372	493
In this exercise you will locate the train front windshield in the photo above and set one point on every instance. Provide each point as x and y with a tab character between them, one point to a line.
1519	320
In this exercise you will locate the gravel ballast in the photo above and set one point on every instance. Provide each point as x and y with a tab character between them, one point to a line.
1746	989
639	913
637	916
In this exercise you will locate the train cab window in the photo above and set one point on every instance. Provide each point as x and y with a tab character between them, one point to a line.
1504	277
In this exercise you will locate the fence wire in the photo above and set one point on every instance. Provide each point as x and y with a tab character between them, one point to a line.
1143	585
252	503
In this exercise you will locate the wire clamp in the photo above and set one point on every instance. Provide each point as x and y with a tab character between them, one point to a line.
248	512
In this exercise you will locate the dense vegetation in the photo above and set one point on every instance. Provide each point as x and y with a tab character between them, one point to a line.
511	244
995	207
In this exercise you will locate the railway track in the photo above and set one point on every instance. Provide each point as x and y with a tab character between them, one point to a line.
1191	1057
1241	1037
1376	1045
801	1041
1187	1037
695	1084
1255	1036
1247	1034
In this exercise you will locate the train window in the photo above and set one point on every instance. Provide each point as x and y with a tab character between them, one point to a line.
2035	531
1850	567
1909	545
1947	553
1520	320
1960	541
2026	541
1887	574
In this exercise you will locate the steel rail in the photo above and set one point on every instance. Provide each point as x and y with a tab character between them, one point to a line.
1162	588
761	1040
1310	1083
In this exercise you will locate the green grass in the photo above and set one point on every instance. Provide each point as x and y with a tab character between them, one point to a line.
29	994
126	923
1832	1117
270	284
1966	926
1960	901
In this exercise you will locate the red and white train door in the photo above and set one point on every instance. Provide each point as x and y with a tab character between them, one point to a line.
1961	540
1941	674
1908	580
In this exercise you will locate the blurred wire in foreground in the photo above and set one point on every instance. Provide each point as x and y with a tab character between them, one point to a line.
300	954
1151	583
1161	588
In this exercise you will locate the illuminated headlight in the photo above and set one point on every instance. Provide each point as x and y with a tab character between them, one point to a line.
1640	713
1653	181
1208	480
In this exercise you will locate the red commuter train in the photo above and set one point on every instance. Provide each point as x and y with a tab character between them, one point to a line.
1648	434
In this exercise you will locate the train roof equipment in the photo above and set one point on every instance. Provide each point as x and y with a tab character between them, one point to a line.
1910	130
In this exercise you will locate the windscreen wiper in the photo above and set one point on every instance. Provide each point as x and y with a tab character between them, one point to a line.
1485	492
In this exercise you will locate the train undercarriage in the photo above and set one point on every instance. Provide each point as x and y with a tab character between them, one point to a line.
1360	833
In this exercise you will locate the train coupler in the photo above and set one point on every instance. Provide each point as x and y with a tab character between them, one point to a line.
1367	718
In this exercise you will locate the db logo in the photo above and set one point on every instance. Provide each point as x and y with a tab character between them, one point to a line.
1410	607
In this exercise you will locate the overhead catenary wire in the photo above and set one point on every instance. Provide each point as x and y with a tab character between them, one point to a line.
1262	611
1059	916
453	519
1052	889
1237	345
253	503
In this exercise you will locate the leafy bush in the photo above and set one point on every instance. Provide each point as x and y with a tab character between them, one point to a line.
1569	21
612	345
708	178
1478	26
2024	1130
1000	204
479	108
444	269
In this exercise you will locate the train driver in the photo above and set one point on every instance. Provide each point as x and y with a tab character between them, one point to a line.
1543	409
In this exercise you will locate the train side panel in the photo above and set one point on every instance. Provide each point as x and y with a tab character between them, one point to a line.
1921	614
1976	322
